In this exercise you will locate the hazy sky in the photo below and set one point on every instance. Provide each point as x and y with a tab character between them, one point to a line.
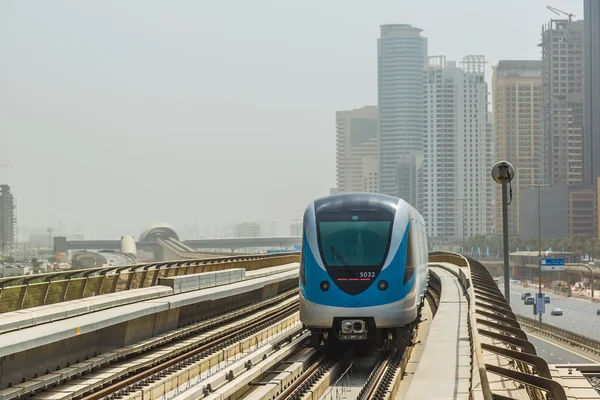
117	114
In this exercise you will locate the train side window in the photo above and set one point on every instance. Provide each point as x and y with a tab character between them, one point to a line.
410	256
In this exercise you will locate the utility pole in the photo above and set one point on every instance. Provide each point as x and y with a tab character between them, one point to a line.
50	240
539	193
273	222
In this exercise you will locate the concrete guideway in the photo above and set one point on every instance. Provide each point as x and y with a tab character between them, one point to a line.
448	336
43	348
16	320
210	370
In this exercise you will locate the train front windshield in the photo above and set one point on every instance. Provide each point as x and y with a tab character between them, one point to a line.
354	239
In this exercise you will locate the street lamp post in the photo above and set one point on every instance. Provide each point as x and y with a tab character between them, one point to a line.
273	222
540	244
3	261
539	195
463	224
503	172
590	265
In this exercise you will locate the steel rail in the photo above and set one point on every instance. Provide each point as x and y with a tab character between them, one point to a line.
232	333
303	378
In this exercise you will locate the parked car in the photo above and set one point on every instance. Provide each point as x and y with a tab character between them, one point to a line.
547	300
525	295
556	311
528	301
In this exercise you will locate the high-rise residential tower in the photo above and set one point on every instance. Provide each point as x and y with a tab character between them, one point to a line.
457	149
7	219
401	58
591	91
357	166
562	80
518	105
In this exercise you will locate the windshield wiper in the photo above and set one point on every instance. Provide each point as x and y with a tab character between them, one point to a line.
341	259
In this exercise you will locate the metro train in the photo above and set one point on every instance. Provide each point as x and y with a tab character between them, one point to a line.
363	269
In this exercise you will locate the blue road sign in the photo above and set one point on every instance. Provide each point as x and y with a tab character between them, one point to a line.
553	264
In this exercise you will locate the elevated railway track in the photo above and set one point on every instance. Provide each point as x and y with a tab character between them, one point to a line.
260	350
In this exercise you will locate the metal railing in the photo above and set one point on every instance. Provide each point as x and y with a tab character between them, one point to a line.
51	288
498	345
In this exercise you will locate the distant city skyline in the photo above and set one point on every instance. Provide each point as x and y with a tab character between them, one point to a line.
537	124
109	130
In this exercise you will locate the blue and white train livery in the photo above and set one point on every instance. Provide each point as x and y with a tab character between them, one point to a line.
363	269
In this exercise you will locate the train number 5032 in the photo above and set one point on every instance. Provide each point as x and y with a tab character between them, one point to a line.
367	274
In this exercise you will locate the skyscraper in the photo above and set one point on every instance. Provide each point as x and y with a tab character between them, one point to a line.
401	59
7	219
357	166
517	104
457	149
562	80
591	91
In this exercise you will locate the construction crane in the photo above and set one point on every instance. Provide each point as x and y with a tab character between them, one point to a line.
558	12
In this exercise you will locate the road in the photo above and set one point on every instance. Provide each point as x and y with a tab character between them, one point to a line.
579	316
559	353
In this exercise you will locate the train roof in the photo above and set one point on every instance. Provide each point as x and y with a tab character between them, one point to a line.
374	201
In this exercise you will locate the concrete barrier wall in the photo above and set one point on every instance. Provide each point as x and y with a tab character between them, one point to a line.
20	297
186	283
479	385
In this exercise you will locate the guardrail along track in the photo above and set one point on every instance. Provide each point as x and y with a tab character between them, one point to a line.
498	345
585	343
226	338
37	290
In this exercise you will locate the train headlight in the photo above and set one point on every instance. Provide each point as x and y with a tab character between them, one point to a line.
324	286
382	285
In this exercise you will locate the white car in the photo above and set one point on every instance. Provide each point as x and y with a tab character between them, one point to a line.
556	311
